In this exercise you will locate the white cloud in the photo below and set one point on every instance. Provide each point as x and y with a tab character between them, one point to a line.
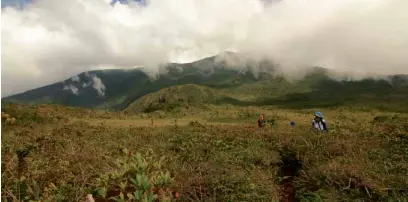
76	79
53	40
95	82
98	85
72	88
85	85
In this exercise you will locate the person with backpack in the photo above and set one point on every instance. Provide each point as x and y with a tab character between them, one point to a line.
261	121
319	122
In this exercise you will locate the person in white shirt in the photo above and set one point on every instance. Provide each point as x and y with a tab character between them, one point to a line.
319	122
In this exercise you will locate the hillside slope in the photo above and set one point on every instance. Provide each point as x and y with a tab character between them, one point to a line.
390	94
110	88
117	89
189	95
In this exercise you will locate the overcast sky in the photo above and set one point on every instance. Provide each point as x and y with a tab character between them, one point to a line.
53	40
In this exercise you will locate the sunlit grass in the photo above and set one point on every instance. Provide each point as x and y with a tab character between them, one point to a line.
216	154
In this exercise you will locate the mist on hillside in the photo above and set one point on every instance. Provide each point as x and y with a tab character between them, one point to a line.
52	40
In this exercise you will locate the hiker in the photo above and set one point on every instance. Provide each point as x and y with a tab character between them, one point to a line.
261	121
319	122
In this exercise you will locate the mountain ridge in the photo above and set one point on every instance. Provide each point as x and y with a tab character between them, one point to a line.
116	89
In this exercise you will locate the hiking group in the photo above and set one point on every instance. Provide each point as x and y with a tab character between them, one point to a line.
318	122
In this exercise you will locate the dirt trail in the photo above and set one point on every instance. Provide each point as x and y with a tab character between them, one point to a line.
289	169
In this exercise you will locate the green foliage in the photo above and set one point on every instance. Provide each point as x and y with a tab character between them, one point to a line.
24	189
136	178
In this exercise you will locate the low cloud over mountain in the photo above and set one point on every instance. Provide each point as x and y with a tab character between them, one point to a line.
50	40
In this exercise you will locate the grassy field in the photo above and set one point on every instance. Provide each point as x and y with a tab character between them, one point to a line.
54	153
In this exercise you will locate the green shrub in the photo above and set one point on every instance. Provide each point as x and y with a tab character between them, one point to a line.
136	178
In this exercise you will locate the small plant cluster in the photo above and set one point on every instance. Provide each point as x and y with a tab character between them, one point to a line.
247	113
136	179
271	121
23	115
29	190
7	118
